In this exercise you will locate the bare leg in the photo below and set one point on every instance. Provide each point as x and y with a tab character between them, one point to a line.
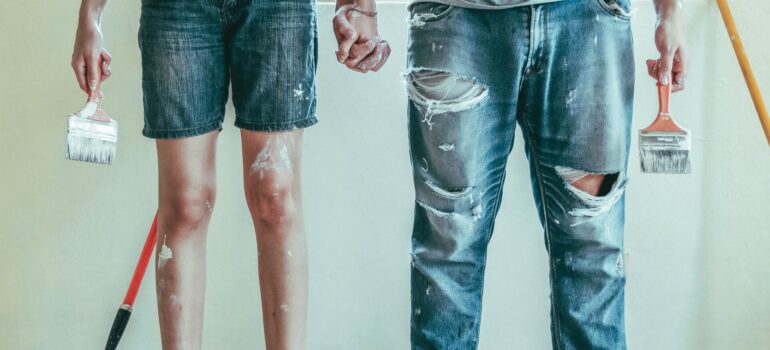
271	164
187	192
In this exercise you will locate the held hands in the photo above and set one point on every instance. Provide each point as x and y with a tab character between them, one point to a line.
90	61
360	47
671	67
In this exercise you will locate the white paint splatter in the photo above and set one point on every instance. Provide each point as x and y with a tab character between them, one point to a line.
209	206
284	307
596	40
165	253
478	212
446	147
419	19
417	312
290	253
299	92
274	156
571	97
427	291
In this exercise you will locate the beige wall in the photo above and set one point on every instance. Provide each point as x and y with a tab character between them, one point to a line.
70	232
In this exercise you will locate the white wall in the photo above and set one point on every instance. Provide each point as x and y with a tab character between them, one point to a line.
70	233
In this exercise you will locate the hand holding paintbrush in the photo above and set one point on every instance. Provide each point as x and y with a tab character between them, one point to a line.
664	146
91	135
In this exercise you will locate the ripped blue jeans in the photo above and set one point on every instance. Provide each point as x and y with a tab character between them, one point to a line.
563	72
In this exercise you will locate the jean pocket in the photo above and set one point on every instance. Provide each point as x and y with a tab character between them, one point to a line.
424	12
618	8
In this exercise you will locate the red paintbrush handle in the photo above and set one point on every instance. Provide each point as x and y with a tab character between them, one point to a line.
141	266
664	94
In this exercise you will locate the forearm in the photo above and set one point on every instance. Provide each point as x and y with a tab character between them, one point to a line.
666	8
91	11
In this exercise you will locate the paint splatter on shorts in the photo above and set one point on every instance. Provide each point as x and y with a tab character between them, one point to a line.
192	51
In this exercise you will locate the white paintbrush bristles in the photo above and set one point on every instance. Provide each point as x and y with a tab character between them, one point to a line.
665	152
90	140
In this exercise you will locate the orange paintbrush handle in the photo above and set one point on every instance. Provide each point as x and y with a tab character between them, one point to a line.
664	94
743	59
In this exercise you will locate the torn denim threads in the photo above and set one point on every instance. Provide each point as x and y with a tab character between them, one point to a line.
563	72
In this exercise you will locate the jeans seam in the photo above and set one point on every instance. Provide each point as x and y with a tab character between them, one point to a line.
547	227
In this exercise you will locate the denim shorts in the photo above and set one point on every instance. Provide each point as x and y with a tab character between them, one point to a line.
193	50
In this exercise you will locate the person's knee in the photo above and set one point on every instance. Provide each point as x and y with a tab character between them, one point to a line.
271	199
597	185
187	209
595	192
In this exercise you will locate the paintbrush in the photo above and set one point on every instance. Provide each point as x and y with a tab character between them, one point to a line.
124	312
664	146
91	135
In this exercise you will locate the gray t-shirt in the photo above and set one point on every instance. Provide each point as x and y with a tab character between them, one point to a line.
485	4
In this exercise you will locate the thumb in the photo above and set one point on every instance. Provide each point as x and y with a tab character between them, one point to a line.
665	64
93	75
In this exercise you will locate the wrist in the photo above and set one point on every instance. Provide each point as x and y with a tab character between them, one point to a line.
366	5
341	3
668	8
90	16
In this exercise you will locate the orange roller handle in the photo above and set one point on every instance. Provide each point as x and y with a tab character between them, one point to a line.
141	266
743	60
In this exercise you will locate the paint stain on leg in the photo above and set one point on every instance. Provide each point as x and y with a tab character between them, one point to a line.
164	255
284	307
274	156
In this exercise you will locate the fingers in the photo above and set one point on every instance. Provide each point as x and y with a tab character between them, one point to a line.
652	68
105	66
79	67
344	32
385	56
93	76
665	65
343	52
679	70
376	59
359	52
